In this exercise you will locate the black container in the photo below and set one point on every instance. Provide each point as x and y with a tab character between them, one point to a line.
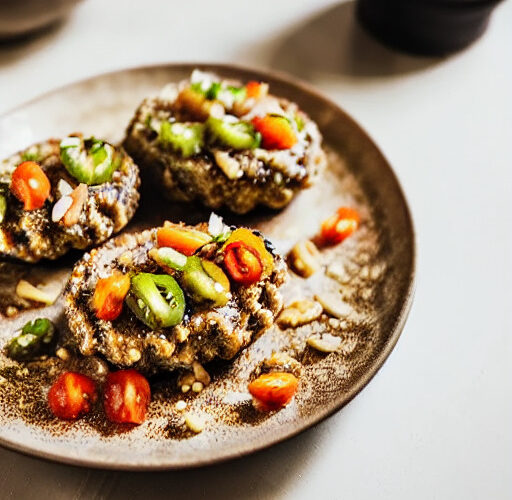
429	27
19	18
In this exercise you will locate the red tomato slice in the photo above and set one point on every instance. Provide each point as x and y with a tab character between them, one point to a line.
126	397
72	395
340	226
274	390
276	131
243	263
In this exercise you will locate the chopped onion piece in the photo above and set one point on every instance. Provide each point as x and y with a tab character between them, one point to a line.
69	142
64	188
26	290
216	225
61	207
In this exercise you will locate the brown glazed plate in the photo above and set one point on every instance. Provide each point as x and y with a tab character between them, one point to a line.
371	273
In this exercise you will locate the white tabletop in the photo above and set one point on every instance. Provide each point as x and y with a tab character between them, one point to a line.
436	421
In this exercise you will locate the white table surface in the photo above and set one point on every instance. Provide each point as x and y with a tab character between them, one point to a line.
436	421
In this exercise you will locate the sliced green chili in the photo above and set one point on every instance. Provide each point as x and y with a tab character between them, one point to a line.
3	207
183	138
35	339
90	161
168	257
236	135
299	122
156	299
32	156
201	285
213	91
239	93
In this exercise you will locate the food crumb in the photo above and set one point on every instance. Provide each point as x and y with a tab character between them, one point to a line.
134	355
11	311
62	353
197	386
300	312
194	422
185	388
324	343
334	305
181	405
26	290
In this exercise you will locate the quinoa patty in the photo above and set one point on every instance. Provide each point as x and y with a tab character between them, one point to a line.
181	134
106	208
205	331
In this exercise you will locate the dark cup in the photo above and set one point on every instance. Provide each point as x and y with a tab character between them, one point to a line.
429	27
22	17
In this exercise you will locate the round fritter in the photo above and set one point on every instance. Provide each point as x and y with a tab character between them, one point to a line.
31	235
218	169
205	333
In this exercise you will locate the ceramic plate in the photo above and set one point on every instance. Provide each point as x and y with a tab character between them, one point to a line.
372	273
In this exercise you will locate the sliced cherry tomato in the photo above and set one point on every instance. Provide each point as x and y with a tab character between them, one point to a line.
30	185
182	239
243	263
257	243
274	390
276	131
256	90
109	295
338	227
126	397
79	197
72	395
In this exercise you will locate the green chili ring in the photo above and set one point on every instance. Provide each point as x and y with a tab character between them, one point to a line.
237	135
91	161
35	339
201	286
186	139
156	299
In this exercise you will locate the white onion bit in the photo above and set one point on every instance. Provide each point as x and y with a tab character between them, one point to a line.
215	225
64	188
61	207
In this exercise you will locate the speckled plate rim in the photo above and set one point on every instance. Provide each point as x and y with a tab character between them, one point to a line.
378	362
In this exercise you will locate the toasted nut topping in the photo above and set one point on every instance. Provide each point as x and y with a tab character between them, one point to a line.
79	198
185	388
181	333
134	355
325	342
25	290
194	422
186	378
282	362
11	311
200	373
126	258
299	313
334	305
228	165
304	258
338	272
181	405
197	386
62	353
